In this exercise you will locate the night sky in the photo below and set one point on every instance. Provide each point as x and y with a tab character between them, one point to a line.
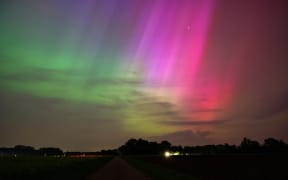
90	74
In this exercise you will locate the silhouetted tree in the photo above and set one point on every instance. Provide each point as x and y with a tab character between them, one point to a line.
164	146
50	151
141	147
24	150
109	152
274	145
249	146
176	149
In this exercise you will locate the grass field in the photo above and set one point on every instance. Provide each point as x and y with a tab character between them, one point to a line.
16	168
213	167
157	171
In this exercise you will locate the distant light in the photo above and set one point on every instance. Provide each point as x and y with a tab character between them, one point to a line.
176	154
167	154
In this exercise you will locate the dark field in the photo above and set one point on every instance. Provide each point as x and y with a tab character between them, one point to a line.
156	171
48	168
241	167
220	167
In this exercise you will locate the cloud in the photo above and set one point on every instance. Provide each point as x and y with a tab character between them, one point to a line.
151	107
51	75
277	106
186	137
60	123
170	113
165	105
205	110
193	123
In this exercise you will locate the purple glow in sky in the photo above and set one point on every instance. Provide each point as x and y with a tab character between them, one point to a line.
88	74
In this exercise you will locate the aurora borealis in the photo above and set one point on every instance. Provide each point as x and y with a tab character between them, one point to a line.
88	74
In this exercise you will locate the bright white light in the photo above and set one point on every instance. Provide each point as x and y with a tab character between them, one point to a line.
167	154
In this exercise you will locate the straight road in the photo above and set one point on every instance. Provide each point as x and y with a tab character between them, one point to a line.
118	169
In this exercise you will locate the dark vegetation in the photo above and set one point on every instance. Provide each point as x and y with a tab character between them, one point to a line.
48	168
248	160
28	150
144	147
219	167
247	146
157	170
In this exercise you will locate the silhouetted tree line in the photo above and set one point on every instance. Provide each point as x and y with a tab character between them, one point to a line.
141	146
102	152
29	150
144	147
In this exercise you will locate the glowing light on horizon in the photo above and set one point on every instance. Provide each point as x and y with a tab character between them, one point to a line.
167	154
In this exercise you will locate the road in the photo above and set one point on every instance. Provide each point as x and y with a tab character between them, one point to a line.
118	169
